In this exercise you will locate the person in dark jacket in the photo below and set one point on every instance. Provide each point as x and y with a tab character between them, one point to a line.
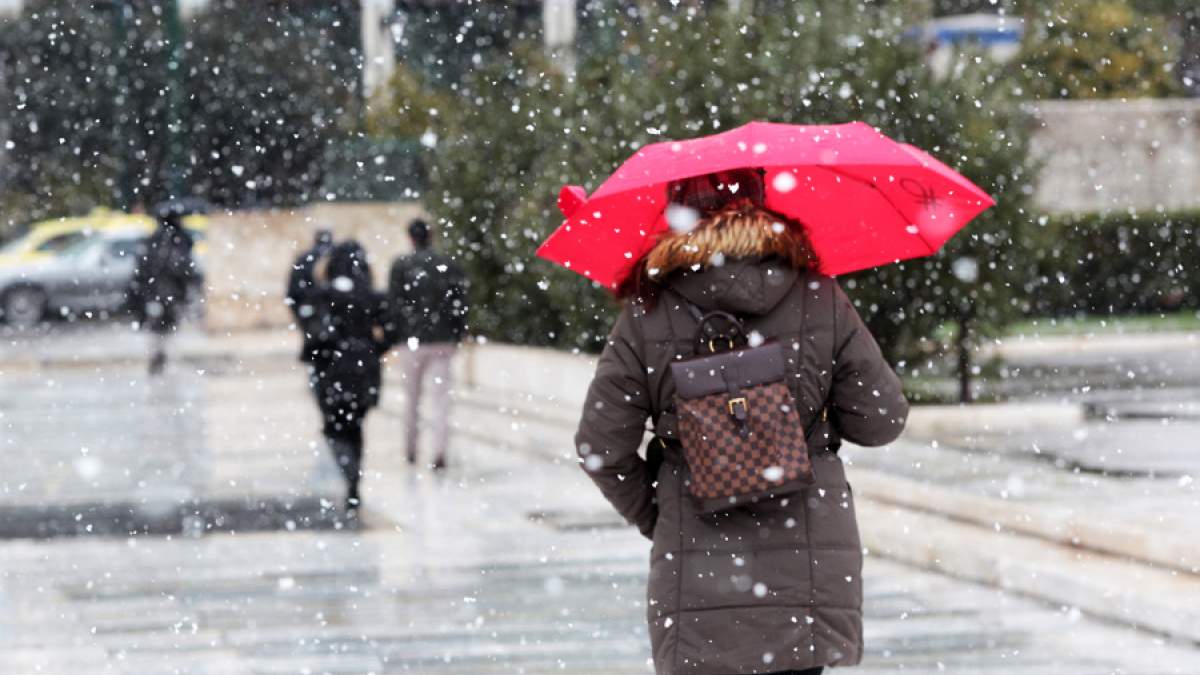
343	351
773	586
299	280
162	280
427	292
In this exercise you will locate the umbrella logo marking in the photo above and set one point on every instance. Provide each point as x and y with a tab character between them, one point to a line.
924	194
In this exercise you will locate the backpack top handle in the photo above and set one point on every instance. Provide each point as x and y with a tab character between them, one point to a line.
708	335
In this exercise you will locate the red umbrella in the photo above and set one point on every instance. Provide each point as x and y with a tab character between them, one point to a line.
864	199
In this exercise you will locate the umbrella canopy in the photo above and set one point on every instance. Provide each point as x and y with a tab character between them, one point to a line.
863	199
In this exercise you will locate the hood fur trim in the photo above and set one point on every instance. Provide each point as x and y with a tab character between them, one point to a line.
737	233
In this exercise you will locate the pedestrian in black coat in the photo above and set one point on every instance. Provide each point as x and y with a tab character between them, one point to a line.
300	279
165	273
344	351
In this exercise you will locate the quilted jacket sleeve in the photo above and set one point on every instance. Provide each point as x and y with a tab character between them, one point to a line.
613	423
866	399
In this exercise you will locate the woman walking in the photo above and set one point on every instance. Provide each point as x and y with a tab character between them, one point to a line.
343	345
773	584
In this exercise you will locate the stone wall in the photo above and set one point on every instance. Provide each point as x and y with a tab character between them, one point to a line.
1100	155
250	254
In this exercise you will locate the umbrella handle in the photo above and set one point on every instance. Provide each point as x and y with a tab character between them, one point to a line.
570	198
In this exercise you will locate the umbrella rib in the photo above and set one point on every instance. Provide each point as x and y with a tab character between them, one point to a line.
932	249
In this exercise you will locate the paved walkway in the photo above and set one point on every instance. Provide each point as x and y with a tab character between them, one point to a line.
510	563
107	450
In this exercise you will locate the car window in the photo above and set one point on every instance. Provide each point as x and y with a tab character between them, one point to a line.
124	248
61	242
79	247
13	246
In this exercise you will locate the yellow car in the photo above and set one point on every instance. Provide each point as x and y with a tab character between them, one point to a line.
49	238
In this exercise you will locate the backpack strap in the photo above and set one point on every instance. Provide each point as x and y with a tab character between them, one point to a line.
682	318
665	426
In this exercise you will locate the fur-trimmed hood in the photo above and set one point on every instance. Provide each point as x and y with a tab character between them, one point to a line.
746	232
741	260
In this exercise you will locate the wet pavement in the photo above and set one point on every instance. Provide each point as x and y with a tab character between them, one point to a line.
509	563
418	601
110	450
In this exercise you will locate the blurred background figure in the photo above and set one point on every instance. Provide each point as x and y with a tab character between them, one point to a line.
343	344
427	294
164	277
299	281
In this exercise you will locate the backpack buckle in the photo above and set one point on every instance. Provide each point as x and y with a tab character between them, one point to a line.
712	348
733	402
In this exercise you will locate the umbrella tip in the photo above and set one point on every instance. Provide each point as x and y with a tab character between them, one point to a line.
570	198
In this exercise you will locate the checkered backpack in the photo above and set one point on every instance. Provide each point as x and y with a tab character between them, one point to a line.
737	421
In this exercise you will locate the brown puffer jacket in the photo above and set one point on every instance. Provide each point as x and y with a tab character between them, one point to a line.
771	586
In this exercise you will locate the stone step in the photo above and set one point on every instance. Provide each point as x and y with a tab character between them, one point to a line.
1061	524
1112	571
1125	591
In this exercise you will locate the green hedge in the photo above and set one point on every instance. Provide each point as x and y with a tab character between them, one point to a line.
1115	263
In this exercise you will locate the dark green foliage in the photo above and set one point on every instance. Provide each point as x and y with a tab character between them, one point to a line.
1183	17
973	123
953	7
373	169
483	175
445	41
522	131
270	87
59	106
1115	263
267	88
1098	49
407	106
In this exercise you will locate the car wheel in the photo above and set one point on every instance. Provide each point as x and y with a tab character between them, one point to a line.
24	306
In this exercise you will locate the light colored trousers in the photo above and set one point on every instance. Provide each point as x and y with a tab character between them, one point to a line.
427	370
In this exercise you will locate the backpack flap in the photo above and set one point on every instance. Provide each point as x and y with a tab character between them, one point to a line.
739	368
739	427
